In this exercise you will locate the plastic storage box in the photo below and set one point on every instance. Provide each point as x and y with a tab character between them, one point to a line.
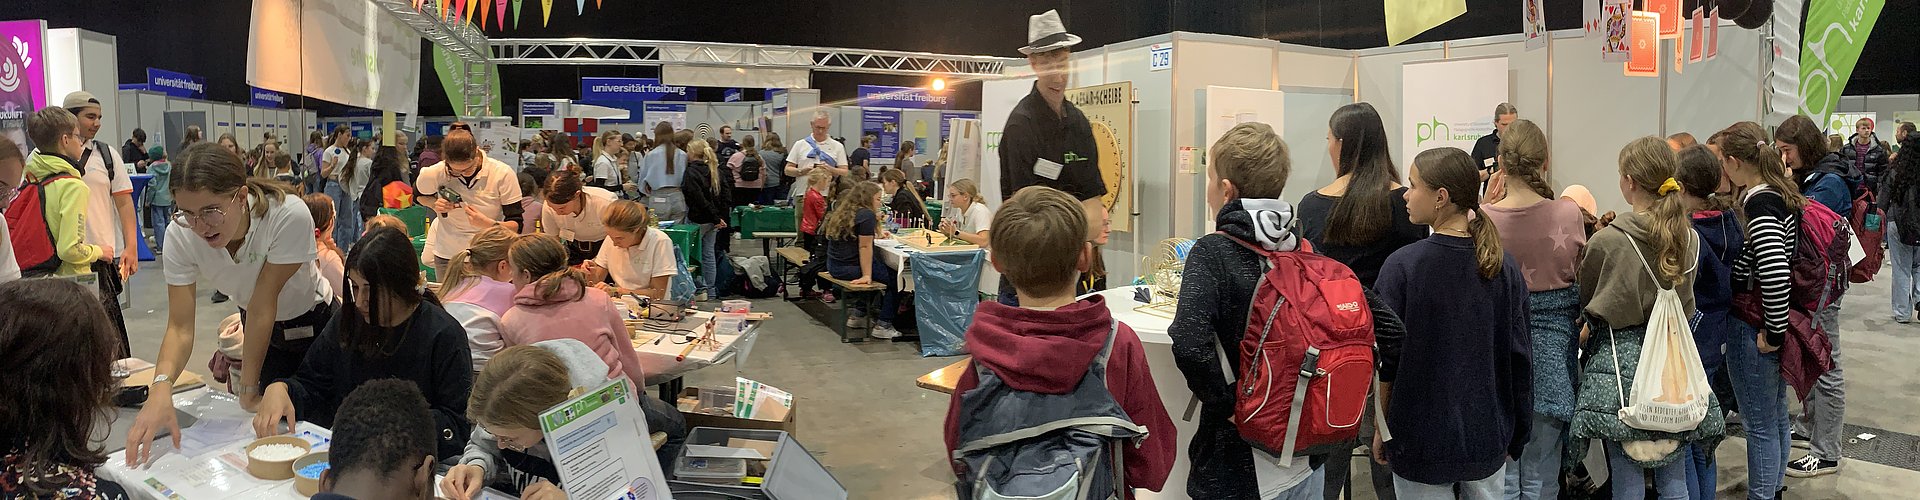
791	474
727	471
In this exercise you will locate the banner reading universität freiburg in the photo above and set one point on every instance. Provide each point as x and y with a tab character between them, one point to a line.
1836	32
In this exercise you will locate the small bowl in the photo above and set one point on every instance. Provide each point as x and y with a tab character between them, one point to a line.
273	470
307	486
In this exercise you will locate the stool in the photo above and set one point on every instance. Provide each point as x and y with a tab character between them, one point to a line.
846	289
789	257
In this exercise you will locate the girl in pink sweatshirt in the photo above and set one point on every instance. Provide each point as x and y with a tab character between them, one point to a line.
554	302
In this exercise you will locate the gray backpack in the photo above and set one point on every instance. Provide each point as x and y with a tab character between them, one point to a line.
1026	445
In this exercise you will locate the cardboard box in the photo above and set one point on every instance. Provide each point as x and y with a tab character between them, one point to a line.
790	424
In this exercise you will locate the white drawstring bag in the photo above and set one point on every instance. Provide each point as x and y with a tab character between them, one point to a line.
1670	390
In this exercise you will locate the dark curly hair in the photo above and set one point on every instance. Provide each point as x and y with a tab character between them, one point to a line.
383	427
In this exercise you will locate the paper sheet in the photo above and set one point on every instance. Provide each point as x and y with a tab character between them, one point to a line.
601	445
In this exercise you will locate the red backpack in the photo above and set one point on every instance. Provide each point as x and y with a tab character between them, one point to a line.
1306	359
27	228
1819	277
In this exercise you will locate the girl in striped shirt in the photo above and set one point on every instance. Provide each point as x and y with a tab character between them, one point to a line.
1771	203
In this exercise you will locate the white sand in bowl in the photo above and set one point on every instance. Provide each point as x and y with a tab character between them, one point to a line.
277	452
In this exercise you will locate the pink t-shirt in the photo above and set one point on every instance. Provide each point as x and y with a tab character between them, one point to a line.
1545	238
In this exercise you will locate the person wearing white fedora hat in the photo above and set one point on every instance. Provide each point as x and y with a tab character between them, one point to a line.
1047	141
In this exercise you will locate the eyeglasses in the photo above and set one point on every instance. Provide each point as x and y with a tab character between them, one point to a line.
213	216
460	126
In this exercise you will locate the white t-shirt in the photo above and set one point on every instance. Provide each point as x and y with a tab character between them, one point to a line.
636	267
284	236
607	168
9	269
362	173
103	217
494	185
802	155
338	157
975	218
582	226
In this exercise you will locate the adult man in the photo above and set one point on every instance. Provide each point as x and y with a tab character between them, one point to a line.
1048	141
109	214
1488	147
815	150
728	146
470	191
135	150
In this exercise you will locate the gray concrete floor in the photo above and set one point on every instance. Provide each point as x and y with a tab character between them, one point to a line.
860	412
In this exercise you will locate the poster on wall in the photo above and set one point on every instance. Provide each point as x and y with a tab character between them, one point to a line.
1455	106
946	122
23	77
1534	24
1645	43
884	126
1616	15
1110	108
670	113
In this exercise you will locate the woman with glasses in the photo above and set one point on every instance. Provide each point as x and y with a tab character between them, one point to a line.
252	239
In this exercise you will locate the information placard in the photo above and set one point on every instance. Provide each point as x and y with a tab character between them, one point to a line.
601	446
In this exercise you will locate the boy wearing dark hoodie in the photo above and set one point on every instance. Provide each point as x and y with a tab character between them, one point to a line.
1047	344
1246	176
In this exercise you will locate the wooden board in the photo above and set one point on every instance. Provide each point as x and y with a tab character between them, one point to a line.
143	378
943	379
918	239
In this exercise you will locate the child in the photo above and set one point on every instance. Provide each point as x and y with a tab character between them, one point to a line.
1248	172
53	130
54	333
1708	194
13	168
508	396
1769	204
1048	345
331	263
479	290
530	204
383	445
159	198
553	301
813	208
640	258
903	201
850	230
1458	395
386	221
966	217
1617	291
1545	235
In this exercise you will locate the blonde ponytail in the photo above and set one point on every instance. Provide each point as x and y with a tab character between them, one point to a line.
1650	163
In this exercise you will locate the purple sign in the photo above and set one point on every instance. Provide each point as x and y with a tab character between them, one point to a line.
23	76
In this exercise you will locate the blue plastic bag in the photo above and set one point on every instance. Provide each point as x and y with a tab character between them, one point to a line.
946	290
680	287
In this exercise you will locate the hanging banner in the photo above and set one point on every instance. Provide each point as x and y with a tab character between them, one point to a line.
1406	18
884	126
1534	24
23	77
1836	32
298	46
631	89
266	98
176	84
1454	105
670	113
1110	109
883	96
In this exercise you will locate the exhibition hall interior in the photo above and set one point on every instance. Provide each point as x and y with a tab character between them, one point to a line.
860	249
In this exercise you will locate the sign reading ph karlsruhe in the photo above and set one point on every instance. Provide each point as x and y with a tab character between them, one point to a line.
882	96
266	98
632	89
176	84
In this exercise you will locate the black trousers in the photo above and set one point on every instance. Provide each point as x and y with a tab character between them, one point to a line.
108	276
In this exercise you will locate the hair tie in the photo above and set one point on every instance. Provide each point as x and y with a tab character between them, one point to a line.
1760	144
1669	186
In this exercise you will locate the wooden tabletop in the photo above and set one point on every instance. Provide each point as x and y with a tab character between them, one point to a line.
943	379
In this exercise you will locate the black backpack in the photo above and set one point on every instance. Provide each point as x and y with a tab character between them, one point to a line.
750	166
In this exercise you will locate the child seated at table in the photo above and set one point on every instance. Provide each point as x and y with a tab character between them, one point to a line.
478	290
1049	345
813	209
507	449
903	200
965	216
850	229
383	445
639	257
554	302
59	347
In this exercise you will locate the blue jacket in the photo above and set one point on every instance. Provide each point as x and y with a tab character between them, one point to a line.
1827	183
1722	238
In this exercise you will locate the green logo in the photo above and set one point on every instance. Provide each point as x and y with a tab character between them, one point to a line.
1836	31
1073	157
1432	130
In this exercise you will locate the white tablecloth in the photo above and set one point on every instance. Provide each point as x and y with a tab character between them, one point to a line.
214	466
657	354
1167	378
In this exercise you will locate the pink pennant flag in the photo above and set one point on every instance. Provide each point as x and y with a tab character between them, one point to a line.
500	14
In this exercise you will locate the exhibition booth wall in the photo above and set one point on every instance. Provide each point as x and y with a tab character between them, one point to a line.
165	119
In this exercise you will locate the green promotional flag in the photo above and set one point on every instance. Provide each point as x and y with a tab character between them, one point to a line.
453	77
1836	32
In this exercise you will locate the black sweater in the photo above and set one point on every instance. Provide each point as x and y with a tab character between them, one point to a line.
432	353
1316	212
1462	398
705	205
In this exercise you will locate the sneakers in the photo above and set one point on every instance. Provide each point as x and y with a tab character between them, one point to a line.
883	330
1800	439
700	297
856	322
826	296
1811	466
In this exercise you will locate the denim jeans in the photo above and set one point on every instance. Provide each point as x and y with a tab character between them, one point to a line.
889	300
1700	473
346	216
158	218
1312	488
1537	474
1762	393
1823	411
1905	269
1630	483
709	263
667	204
1492	487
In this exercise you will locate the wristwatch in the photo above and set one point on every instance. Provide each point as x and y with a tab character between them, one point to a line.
160	378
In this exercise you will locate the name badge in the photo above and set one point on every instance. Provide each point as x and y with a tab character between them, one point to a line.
566	234
1047	168
301	333
657	199
1487	163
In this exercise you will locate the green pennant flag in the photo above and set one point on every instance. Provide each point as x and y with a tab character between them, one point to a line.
516	14
1836	32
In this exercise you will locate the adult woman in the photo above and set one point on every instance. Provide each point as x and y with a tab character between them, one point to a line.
223	214
56	339
573	212
1368	206
660	176
478	291
553	301
1902	199
639	258
706	206
609	160
773	161
390	327
904	162
747	158
966	217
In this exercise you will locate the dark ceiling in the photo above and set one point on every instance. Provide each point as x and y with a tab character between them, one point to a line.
208	37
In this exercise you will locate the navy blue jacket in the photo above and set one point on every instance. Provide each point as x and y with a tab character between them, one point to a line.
1721	236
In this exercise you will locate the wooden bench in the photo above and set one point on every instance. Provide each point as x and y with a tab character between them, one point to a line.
845	289
944	379
770	238
788	258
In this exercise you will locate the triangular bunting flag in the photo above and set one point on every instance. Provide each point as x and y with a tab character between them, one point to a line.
546	12
443	10
500	14
580	7
596	4
469	6
516	14
483	13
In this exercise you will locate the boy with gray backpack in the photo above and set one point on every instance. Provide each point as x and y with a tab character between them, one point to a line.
1058	402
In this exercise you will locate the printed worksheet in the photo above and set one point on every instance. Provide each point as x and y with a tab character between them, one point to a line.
602	447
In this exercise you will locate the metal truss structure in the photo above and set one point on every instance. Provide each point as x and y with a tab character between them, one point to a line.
459	38
598	51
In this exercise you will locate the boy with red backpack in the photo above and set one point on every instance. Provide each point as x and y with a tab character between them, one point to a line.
1258	308
45	221
1058	400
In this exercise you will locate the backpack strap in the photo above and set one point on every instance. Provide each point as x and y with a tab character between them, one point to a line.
1648	266
1309	368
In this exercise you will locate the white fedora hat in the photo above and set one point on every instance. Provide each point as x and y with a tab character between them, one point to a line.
1046	33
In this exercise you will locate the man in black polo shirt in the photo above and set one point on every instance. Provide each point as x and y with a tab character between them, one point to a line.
1488	147
1047	141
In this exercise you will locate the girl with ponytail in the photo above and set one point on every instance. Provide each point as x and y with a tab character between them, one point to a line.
1651	249
553	301
479	290
1708	196
1771	204
1545	235
1464	303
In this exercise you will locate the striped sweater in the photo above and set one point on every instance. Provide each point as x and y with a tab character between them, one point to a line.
1765	262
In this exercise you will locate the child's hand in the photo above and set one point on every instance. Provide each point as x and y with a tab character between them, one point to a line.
543	490
864	280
